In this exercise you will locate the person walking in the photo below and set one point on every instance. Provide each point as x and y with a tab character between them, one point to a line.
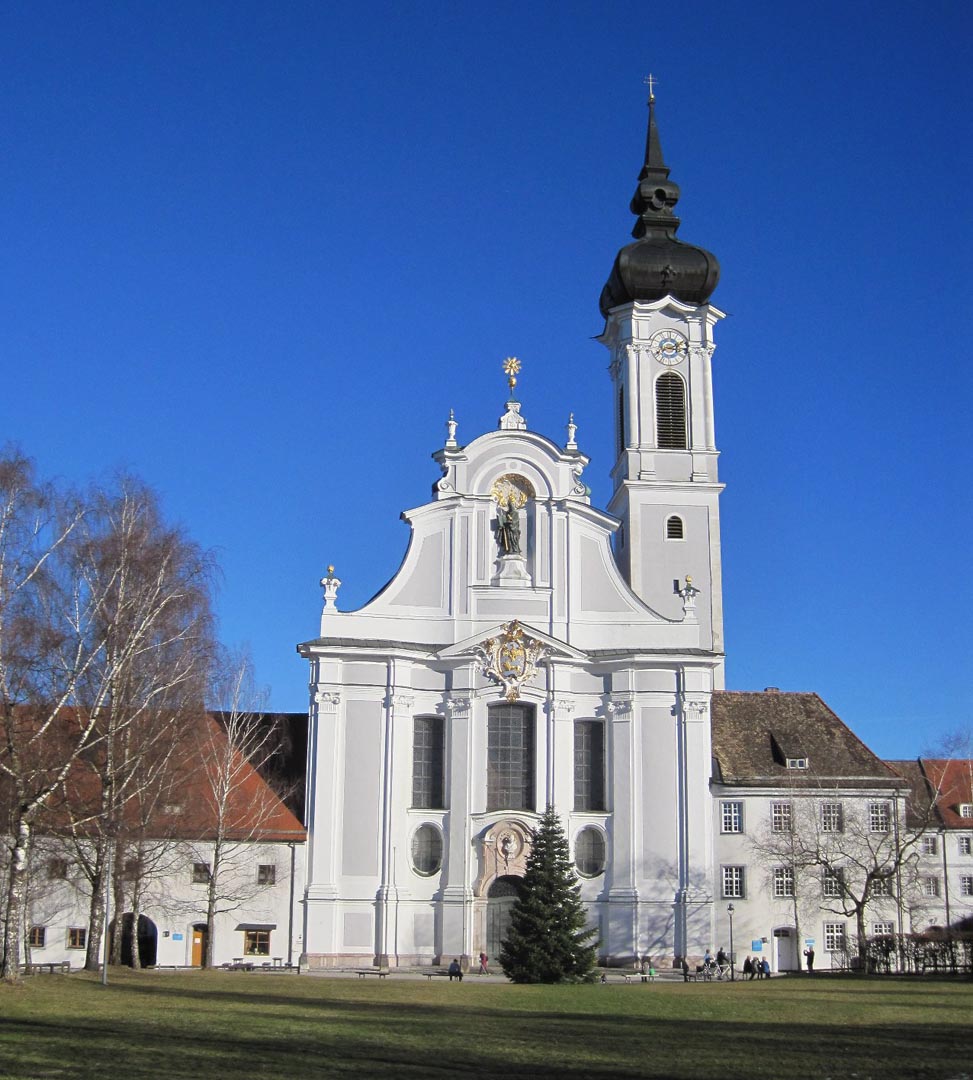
748	968
765	967
483	964
809	958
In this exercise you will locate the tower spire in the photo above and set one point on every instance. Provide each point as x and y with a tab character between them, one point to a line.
657	264
653	147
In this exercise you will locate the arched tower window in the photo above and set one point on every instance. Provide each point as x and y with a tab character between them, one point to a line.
674	528
670	412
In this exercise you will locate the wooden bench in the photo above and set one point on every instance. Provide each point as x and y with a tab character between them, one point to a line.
58	967
436	974
382	973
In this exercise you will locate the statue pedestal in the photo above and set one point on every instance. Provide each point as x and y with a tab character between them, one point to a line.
511	571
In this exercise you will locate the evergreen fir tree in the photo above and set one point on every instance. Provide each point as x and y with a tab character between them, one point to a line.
547	941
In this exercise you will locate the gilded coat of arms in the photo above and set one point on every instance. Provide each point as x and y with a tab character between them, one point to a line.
511	658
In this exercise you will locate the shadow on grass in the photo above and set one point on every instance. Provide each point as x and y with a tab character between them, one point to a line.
143	1028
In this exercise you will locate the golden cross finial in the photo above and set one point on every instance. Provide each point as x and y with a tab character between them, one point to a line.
650	80
511	367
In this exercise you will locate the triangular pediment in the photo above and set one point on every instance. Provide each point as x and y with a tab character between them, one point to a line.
471	646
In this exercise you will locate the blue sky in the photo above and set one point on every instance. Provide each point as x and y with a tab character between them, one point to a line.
256	252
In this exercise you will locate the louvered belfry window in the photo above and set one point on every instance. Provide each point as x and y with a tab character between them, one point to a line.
674	528
670	411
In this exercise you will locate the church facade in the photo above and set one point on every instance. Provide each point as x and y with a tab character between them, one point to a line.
533	650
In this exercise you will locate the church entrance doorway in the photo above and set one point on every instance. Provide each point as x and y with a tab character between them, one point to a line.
500	901
147	940
785	949
199	944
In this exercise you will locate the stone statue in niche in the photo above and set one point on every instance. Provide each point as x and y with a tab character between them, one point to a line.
508	529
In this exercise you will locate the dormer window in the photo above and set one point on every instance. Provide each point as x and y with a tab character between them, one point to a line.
797	763
966	810
674	528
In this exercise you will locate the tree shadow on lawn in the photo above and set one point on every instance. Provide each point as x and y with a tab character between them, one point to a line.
401	1039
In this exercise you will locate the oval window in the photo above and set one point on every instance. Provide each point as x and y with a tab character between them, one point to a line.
589	852
427	850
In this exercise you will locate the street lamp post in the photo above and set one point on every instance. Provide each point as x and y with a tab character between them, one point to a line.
729	911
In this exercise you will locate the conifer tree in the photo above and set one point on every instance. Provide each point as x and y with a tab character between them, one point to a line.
547	941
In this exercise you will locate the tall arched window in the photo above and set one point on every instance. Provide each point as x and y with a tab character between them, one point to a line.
510	757
589	765
670	412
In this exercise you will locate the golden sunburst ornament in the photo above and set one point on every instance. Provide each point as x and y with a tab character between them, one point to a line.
511	368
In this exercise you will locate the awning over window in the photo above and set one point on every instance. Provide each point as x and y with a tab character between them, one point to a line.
257	926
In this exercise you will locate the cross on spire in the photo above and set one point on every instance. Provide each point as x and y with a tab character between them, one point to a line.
650	81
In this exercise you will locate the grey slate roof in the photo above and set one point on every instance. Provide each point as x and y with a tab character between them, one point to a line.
755	733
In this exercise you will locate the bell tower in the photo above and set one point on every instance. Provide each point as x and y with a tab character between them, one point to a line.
659	333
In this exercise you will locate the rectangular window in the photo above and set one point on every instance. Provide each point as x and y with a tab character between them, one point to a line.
38	937
57	869
966	810
267	874
883	929
966	845
832	819
879	817
929	845
589	765
831	883
256	943
834	936
780	816
428	760
77	937
201	873
797	763
881	886
731	817
510	757
783	881
930	886
131	870
733	882
966	885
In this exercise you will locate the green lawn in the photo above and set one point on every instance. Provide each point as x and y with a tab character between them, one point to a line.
201	1024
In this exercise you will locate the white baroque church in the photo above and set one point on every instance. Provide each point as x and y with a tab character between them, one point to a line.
534	650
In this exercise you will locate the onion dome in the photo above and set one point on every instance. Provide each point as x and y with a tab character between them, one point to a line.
658	264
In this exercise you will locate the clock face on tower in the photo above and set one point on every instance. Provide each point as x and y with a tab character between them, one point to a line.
668	347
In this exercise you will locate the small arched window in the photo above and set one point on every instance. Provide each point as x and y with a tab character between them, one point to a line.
589	852
670	412
674	528
427	850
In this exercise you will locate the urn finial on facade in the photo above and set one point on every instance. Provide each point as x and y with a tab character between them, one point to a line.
689	592
331	584
571	444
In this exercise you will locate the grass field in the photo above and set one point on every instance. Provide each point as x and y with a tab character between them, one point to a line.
210	1024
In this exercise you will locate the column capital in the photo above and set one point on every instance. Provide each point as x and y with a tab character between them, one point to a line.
327	701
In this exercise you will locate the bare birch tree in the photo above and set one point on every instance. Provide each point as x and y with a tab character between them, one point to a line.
47	618
105	630
230	750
